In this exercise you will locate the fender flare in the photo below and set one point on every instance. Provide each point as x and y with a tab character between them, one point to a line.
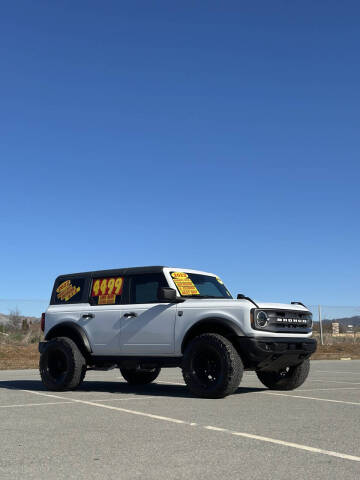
222	322
79	332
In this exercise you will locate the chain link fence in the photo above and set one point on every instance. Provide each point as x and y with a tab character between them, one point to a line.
336	324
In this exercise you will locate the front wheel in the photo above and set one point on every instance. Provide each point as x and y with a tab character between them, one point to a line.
212	368
287	378
139	377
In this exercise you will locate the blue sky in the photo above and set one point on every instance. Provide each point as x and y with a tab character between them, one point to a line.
222	136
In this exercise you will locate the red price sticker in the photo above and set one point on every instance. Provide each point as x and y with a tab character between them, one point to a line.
110	286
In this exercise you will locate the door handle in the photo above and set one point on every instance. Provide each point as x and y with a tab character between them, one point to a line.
130	314
88	315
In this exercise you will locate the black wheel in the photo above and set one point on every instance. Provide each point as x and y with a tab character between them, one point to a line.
212	368
288	378
139	377
62	365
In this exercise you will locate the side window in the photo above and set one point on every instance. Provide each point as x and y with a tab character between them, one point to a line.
107	290
69	290
144	288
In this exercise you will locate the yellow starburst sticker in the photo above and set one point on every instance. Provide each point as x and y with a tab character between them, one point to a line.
66	290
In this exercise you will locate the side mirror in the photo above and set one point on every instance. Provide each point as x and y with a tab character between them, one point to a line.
168	295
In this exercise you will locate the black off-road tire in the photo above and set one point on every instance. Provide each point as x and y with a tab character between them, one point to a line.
83	373
287	379
139	377
62	366
212	368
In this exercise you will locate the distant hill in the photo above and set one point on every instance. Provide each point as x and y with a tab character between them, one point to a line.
345	321
343	324
4	319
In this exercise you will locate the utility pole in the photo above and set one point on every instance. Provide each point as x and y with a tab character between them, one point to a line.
321	330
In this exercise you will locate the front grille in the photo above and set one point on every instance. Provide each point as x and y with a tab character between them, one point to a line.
284	321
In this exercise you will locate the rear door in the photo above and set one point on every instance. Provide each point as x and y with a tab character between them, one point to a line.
147	326
102	319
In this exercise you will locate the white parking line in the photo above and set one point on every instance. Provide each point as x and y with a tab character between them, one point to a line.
209	427
34	404
334	371
287	444
334	381
168	383
123	399
17	373
287	395
73	402
176	383
171	383
110	407
311	398
333	388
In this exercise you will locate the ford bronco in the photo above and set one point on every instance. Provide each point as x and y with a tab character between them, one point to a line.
145	318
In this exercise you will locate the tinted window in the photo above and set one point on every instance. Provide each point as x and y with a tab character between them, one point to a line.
69	290
144	288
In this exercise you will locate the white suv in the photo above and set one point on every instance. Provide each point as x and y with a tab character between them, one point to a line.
144	318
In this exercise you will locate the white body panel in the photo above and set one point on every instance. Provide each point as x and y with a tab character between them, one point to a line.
151	332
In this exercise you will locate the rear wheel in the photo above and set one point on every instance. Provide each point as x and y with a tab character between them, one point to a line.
287	378
212	368
62	365
139	377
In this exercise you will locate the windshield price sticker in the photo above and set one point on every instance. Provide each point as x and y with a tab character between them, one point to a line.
179	275
184	284
66	290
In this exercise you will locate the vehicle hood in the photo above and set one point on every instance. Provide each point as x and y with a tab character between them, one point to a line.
281	306
231	303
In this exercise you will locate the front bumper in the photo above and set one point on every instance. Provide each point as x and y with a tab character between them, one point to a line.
274	353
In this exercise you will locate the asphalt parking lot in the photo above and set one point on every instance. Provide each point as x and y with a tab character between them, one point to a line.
107	429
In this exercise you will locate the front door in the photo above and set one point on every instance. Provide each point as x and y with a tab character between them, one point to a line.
147	327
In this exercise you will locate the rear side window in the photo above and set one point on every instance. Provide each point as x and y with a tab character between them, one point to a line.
144	288
69	290
107	290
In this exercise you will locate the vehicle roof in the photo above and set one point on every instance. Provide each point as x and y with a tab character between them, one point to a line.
130	271
117	271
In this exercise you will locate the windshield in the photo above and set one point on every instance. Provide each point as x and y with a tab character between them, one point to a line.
197	285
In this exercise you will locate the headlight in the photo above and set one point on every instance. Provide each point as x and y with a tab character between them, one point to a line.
261	319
